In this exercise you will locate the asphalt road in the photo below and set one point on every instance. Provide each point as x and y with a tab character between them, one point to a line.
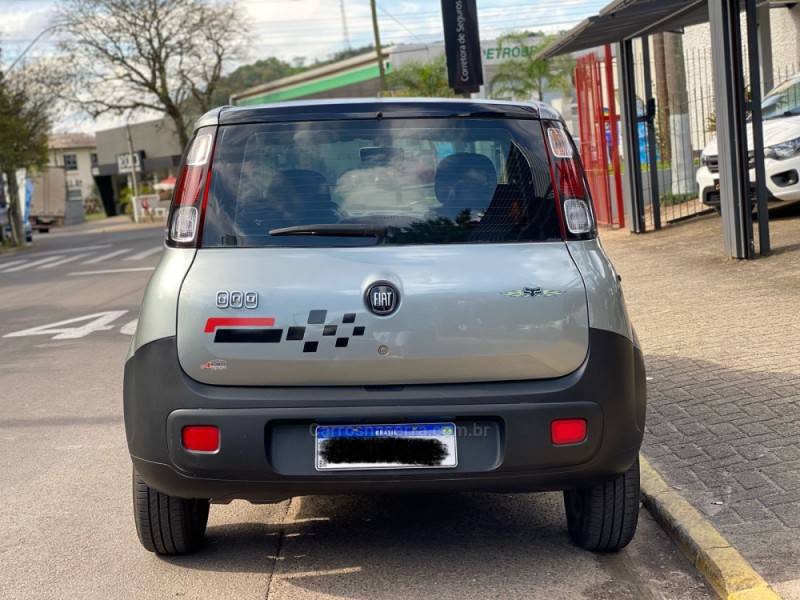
66	526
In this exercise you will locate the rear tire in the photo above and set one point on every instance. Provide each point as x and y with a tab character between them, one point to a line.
165	524
603	518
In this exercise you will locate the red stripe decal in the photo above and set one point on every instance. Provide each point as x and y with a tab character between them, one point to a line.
214	322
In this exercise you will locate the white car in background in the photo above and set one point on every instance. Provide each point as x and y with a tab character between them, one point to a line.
781	115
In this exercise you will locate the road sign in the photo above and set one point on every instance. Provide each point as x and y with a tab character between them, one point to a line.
462	45
127	162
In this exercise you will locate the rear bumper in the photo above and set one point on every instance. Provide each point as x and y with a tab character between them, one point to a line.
267	443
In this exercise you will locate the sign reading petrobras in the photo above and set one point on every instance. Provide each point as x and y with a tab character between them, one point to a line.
462	45
126	163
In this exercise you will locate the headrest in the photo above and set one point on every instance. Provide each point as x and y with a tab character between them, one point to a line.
466	173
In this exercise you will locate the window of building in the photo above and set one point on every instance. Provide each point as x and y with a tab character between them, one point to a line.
71	162
93	158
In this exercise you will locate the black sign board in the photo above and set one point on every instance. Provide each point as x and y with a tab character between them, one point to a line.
462	44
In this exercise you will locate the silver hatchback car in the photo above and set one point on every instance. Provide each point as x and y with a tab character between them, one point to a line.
383	295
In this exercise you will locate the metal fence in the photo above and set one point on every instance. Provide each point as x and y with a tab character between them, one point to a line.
682	120
685	124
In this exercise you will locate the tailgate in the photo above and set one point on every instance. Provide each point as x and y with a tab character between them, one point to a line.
466	313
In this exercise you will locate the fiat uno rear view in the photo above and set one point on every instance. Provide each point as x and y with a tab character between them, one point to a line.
380	296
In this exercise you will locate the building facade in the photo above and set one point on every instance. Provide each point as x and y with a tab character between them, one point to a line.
358	77
784	25
76	153
156	147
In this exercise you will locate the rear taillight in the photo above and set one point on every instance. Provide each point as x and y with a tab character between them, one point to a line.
191	191
572	193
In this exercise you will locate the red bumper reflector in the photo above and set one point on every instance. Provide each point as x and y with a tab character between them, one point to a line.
568	431
200	438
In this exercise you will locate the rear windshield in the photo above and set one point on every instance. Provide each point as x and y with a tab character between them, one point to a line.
380	182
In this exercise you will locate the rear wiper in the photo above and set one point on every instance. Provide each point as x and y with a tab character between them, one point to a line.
333	230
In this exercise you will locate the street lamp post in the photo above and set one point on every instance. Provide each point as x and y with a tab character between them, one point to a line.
41	34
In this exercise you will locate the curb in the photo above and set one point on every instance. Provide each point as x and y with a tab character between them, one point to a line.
712	555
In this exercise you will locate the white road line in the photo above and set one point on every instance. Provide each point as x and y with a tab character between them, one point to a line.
129	328
103	257
145	253
71	250
11	264
28	264
101	321
107	271
64	261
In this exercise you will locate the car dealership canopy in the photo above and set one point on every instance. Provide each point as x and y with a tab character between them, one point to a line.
623	21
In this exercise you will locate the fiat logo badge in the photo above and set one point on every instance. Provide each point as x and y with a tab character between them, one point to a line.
382	298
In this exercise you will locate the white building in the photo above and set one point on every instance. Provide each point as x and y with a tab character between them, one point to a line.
77	154
785	48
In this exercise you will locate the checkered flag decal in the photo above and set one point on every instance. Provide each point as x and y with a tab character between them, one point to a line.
318	328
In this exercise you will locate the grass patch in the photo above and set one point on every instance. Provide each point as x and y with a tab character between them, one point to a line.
672	199
98	216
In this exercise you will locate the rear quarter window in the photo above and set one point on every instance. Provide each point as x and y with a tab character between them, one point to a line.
413	181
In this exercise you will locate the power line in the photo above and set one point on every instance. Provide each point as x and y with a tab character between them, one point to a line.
393	18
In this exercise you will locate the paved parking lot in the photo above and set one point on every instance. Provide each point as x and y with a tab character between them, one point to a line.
65	506
722	346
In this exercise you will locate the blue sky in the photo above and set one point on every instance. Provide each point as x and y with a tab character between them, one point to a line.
313	28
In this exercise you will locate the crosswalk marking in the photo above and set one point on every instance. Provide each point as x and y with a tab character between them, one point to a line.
28	264
11	264
49	260
103	257
71	250
145	253
64	261
108	271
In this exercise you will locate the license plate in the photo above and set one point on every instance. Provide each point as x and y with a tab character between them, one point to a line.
404	446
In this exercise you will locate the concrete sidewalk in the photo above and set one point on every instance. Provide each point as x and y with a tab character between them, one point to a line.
722	345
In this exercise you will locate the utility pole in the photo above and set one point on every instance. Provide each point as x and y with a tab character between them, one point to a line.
134	179
345	31
378	49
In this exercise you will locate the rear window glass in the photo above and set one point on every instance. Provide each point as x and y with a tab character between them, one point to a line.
380	182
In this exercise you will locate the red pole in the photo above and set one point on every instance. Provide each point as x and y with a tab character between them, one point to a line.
612	115
583	119
600	132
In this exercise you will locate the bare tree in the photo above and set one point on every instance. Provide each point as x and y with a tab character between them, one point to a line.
150	55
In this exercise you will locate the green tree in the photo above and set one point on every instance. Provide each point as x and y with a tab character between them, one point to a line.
526	76
420	79
24	125
271	69
247	76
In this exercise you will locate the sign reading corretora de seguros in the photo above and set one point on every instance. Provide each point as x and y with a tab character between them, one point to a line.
462	44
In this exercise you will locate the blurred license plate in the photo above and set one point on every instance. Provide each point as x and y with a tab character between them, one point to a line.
404	446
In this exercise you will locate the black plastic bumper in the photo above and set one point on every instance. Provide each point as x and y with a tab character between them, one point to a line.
267	449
